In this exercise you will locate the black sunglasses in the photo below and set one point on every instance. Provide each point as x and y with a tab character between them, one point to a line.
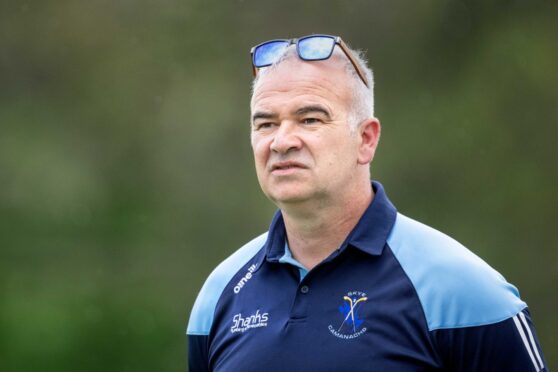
309	48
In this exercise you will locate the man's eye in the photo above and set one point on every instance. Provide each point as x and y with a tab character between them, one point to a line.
311	120
264	125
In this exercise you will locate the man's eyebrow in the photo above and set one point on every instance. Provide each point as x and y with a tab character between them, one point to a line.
312	108
263	115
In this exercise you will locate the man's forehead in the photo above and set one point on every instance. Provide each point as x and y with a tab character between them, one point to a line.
295	69
295	75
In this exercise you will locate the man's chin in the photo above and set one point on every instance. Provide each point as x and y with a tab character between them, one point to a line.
288	196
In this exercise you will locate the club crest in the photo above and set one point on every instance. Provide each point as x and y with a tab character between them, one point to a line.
350	323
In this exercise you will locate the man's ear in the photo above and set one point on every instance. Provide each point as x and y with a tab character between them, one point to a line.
369	134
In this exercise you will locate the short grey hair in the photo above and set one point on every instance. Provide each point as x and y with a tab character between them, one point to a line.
362	105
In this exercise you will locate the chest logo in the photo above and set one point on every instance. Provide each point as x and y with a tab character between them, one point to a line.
242	324
350	323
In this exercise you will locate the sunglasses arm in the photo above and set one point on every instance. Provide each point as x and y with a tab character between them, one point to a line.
353	61
254	70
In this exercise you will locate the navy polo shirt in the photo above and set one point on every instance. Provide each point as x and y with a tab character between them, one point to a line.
396	296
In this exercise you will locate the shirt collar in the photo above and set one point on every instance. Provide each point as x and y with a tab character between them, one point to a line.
369	235
371	232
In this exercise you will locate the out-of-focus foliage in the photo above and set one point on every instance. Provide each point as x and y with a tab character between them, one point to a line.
126	173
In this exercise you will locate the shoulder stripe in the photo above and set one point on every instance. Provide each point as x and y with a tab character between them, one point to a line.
455	287
525	342
201	317
531	339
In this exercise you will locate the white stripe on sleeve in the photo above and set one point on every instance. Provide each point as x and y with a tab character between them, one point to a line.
525	342
531	339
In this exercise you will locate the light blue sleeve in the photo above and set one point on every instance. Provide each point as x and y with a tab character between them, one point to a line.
455	287
202	313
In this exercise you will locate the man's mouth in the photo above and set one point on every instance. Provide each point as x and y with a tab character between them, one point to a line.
286	165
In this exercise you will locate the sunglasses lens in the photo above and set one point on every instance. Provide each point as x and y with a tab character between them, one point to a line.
315	48
267	53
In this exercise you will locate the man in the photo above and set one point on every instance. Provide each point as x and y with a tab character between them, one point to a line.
341	281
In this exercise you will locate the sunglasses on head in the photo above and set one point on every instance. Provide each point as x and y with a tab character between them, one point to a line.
309	48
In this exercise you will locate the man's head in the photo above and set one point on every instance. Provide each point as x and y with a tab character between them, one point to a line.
363	93
313	131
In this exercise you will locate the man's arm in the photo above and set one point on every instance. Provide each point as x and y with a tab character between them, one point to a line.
203	311
510	345
198	353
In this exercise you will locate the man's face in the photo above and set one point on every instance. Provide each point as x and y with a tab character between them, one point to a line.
303	146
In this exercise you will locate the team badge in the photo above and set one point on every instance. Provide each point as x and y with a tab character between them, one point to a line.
350	323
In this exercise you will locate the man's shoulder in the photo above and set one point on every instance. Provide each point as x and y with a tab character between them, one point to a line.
456	288
201	317
224	272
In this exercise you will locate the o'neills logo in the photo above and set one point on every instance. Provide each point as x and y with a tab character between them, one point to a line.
244	279
350	322
256	320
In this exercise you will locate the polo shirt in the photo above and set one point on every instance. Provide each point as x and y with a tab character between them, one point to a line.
397	295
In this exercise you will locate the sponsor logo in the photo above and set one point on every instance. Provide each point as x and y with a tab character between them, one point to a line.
244	279
256	320
350	322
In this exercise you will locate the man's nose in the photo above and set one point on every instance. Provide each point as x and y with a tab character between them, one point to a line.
286	138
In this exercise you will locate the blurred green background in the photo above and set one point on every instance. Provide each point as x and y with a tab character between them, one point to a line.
126	173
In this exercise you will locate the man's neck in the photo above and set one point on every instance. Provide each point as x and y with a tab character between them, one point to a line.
321	229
